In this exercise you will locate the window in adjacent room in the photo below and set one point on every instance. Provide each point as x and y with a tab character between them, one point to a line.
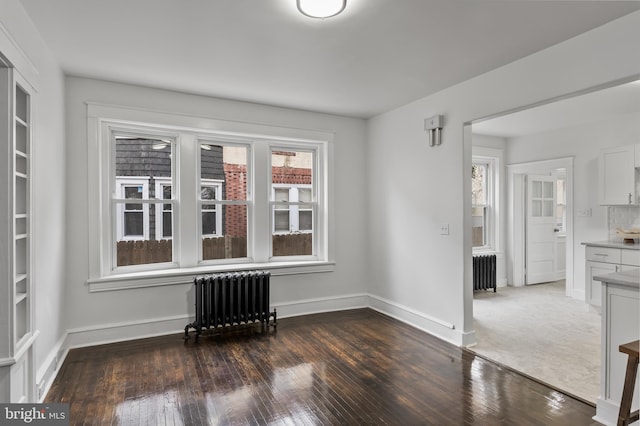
482	203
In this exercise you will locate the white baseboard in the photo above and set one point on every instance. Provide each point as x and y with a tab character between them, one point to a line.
49	369
578	294
120	332
606	412
321	304
434	326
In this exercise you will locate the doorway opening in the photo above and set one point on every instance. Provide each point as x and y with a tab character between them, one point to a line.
544	324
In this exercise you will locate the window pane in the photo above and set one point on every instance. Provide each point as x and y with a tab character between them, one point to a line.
478	220
208	193
227	165
143	229
536	189
231	241
133	224
133	206
479	184
306	220
282	194
209	222
304	195
281	219
166	224
548	208
547	190
133	192
292	173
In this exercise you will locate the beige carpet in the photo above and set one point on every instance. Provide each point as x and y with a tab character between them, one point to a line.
539	331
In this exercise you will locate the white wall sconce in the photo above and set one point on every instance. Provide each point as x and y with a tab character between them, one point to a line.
433	125
321	8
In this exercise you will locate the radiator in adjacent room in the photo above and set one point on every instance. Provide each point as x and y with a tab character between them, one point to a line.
484	272
231	299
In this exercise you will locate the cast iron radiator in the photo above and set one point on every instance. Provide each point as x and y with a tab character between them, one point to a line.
484	272
231	299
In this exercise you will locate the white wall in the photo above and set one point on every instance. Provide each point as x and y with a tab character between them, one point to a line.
419	275
48	172
583	143
116	315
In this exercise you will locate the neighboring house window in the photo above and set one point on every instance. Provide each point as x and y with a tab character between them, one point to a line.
164	217
132	217
211	213
482	178
289	216
168	198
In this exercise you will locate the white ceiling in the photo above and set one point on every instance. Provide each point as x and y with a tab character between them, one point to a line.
570	112
377	55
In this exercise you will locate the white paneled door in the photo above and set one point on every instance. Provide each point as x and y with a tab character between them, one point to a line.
540	228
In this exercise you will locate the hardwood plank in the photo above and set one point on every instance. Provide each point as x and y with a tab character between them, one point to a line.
349	367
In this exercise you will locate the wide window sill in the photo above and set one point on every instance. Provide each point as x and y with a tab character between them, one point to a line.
186	275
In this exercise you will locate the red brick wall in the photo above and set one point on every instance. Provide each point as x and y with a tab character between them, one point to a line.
236	189
291	175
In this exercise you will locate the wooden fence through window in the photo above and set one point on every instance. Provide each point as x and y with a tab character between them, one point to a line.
158	251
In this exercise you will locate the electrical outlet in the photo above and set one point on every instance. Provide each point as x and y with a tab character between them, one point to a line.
444	229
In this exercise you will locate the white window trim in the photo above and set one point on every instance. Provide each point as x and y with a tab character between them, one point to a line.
121	183
101	121
318	192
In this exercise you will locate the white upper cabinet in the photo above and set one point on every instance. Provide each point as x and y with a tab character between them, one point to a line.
637	155
617	176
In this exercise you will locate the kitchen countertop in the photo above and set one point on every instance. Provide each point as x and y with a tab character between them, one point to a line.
630	278
614	244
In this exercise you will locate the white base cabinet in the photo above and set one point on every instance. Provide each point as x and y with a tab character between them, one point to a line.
605	260
620	325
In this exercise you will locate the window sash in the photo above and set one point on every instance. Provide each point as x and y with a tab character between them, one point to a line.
484	198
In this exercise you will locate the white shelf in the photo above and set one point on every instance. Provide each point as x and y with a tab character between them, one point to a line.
21	175
20	297
21	121
21	236
20	277
21	154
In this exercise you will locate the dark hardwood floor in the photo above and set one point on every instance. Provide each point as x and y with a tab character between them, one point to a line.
353	367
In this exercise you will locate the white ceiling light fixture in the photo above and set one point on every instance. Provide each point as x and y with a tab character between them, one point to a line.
321	8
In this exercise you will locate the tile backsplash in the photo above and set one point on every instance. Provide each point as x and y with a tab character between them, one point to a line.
624	217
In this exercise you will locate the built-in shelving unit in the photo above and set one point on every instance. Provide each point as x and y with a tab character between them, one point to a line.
16	346
22	312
